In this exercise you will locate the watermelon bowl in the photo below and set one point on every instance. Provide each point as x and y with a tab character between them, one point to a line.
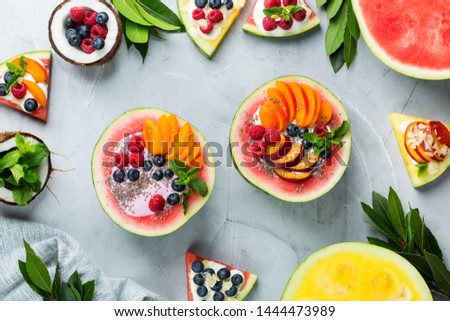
296	174
133	200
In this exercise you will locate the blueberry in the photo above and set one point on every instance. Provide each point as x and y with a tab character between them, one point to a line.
102	18
217	286
133	174
302	131
197	266
70	32
223	273
176	187
159	160
3	89
69	23
147	165
306	144
173	199
202	291
228	4
237	279
218	296
30	105
168	173
215	4
7	77
199	279
119	175
209	271
98	43
75	40
201	3
84	31
232	291
325	154
158	175
292	130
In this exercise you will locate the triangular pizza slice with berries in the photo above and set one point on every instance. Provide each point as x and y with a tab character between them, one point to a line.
25	82
424	145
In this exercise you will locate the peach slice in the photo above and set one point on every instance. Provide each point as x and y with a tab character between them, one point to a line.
410	150
308	162
198	162
300	102
268	117
318	105
279	149
191	159
152	137
326	111
311	102
182	140
292	158
174	128
277	97
279	113
289	96
291	176
36	92
187	147
440	132
166	133
35	69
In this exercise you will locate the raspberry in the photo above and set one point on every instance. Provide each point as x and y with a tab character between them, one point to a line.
121	160
99	31
198	14
86	46
271	136
258	148
272	3
90	18
257	132
269	24
77	14
136	144
320	130
284	24
208	28
215	16
19	90
136	160
300	15
157	203
289	3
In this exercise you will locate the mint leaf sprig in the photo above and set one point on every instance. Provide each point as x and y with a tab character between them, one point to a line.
421	169
17	71
188	177
37	276
333	137
286	12
408	235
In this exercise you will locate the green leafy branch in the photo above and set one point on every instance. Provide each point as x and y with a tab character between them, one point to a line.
17	71
333	137
142	19
342	34
408	235
19	169
286	12
188	177
37	276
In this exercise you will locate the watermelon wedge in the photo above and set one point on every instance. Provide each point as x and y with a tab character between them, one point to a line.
219	281
412	37
36	79
133	182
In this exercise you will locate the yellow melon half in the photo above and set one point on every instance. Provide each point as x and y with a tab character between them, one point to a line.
356	272
399	123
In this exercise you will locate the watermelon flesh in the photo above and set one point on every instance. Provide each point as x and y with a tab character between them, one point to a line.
244	288
410	36
146	223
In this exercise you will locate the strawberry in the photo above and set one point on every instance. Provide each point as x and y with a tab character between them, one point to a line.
19	90
198	14
215	16
86	46
99	31
272	3
136	144
289	3
77	14
157	203
300	15
121	160
271	136
269	24
208	28
90	18
136	160
257	132
284	24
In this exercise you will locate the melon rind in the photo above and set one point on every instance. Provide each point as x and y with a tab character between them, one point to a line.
397	120
269	184
362	254
134	225
383	56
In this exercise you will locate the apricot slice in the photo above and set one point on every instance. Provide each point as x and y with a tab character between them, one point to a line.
198	162
35	69
289	96
311	102
152	137
318	105
326	111
268	117
174	128
166	133
277	97
300	102
36	92
187	147
279	112
181	139
190	161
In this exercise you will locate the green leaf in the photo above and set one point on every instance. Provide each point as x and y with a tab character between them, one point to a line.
75	281
333	7
56	283
75	292
37	270
193	172
320	3
420	263
20	142
35	155
381	243
129	9
136	33
17	172
352	24
10	159
199	186
417	228
410	245
65	293
26	277
381	224
177	166
440	273
184	203
159	15
431	244
12	67
421	169
32	175
349	48
337	59
2	183
334	36
143	49
88	290
22	195
294	9
396	213
155	33
269	12
380	205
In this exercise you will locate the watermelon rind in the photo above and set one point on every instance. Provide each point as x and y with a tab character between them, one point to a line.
383	56
397	121
207	173
347	251
265	186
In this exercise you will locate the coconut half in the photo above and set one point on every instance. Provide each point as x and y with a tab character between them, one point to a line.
74	55
7	143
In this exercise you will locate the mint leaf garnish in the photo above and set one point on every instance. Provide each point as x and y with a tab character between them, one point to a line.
333	137
17	71
421	169
199	186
